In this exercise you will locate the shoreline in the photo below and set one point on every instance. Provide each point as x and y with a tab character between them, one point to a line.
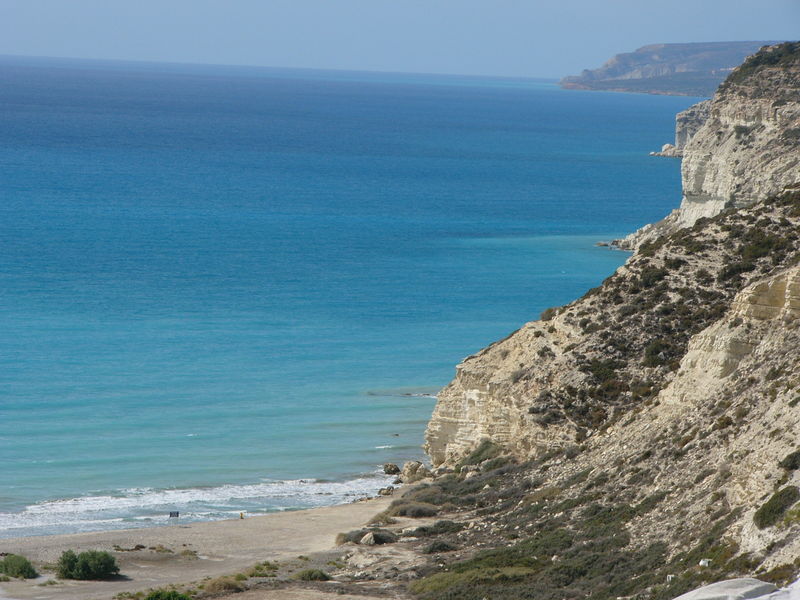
184	553
147	508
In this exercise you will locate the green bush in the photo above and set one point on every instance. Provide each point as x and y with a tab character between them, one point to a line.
415	510
485	450
773	509
311	575
549	313
166	595
792	461
92	564
263	569
222	585
438	528
15	565
438	546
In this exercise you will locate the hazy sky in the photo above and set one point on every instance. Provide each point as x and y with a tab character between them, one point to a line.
493	37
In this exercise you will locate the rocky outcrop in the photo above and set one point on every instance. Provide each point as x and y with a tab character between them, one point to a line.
687	124
747	149
694	69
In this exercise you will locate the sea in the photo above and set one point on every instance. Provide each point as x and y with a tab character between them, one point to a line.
237	289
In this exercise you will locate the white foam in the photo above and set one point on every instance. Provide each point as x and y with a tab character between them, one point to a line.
148	506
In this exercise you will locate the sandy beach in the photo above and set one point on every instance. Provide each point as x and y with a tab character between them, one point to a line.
183	553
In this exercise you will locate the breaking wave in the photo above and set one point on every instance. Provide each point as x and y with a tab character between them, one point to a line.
143	507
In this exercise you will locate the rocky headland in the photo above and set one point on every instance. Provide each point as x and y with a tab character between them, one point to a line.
745	149
693	69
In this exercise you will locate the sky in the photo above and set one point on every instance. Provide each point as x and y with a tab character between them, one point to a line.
526	38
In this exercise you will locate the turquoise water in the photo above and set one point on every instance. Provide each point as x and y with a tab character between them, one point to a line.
227	289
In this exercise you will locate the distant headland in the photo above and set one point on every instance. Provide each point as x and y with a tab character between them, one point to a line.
694	69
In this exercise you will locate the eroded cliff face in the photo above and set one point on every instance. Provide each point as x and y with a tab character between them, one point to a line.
747	149
687	124
690	121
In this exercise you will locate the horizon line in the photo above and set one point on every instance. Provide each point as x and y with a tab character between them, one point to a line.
146	62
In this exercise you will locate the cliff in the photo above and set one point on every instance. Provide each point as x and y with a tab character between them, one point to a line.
747	147
687	124
694	69
641	441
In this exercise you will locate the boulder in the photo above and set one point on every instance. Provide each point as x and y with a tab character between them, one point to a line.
391	469
368	540
387	491
410	469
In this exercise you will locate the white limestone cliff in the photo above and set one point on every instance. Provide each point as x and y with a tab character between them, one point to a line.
748	148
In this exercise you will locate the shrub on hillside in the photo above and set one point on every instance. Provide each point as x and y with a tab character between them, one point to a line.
772	510
415	510
311	575
791	461
438	546
222	585
92	564
485	451
15	565
438	528
166	595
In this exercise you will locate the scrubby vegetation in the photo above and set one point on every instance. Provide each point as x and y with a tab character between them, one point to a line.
222	585
774	508
167	595
785	54
405	507
439	546
18	566
263	569
311	575
486	450
92	564
438	528
638	323
562	541
791	462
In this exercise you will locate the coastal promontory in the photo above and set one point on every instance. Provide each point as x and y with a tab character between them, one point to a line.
692	69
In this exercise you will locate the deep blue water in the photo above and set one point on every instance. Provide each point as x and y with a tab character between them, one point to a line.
218	285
